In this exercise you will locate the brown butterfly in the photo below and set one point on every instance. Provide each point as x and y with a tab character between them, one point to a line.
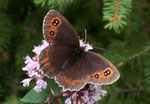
68	63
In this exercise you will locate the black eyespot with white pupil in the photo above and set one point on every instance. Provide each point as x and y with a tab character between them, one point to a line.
52	33
63	78
96	75
56	22
106	73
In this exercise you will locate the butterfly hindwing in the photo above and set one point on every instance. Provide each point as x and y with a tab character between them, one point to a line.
57	29
89	68
74	77
102	71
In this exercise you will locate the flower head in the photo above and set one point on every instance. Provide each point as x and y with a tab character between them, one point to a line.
32	68
40	83
37	49
88	95
85	45
26	82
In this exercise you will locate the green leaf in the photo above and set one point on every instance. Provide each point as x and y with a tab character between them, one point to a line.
33	97
54	86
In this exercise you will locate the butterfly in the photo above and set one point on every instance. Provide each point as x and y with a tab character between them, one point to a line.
66	62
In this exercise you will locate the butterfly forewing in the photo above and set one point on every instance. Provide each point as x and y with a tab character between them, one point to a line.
57	29
62	40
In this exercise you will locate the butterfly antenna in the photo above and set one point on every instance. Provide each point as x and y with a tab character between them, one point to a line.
99	48
85	35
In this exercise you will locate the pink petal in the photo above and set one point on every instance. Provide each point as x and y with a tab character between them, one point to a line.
37	88
48	100
85	96
68	100
74	95
40	83
26	82
86	45
31	65
38	49
103	92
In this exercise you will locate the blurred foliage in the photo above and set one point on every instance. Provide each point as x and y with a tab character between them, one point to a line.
21	29
12	100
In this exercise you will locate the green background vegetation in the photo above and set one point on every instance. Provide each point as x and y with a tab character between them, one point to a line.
127	43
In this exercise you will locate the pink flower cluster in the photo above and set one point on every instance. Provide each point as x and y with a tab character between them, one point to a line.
33	71
90	94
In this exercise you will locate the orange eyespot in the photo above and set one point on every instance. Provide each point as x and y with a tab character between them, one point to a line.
55	22
51	32
106	73
96	75
63	77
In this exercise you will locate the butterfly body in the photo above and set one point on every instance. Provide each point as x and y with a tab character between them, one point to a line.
69	63
75	56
